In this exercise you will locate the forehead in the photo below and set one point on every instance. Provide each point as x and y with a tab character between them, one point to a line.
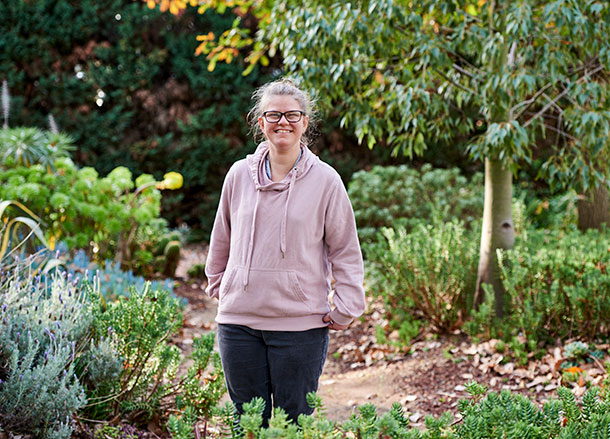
281	103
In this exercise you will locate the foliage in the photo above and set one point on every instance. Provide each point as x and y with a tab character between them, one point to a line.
102	215
143	321
558	285
427	274
11	235
483	414
45	329
127	74
63	350
400	196
26	146
113	281
146	383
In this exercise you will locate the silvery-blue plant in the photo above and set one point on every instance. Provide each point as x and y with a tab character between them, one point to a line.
45	324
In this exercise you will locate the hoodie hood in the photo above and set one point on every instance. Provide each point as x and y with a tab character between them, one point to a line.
256	166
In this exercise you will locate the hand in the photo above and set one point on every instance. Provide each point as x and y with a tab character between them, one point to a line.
333	325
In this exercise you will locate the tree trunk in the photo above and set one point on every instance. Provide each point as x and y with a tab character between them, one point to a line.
498	230
594	208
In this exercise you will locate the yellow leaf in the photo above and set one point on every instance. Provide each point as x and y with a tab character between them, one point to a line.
378	77
472	10
151	4
481	2
574	369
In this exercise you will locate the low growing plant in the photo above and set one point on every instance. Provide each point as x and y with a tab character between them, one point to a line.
558	286
146	383
101	215
428	274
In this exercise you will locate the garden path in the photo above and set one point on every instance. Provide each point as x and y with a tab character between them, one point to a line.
427	378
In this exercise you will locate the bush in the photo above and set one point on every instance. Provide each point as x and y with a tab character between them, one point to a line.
557	285
101	215
64	350
124	81
399	196
427	274
146	382
26	146
45	327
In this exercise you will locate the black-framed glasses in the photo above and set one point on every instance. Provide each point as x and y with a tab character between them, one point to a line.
291	116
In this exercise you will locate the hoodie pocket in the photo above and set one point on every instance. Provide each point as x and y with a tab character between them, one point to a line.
269	293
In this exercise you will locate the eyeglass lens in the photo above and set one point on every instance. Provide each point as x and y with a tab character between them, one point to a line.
275	116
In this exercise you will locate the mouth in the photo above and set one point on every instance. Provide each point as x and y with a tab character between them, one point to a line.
283	131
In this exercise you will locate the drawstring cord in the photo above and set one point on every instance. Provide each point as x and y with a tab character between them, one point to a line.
283	224
251	243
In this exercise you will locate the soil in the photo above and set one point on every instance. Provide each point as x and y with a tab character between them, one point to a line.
426	378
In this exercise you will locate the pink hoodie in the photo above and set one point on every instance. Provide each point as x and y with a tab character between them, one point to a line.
274	246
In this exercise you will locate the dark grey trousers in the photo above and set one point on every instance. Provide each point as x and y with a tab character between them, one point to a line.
279	366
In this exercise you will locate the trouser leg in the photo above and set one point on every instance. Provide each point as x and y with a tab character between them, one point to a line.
244	360
296	360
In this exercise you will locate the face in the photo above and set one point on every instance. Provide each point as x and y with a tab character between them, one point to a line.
283	135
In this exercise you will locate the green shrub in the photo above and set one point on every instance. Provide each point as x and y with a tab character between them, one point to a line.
124	81
399	196
427	274
146	383
557	285
101	215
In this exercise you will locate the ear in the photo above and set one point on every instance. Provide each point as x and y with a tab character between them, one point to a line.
305	123
261	124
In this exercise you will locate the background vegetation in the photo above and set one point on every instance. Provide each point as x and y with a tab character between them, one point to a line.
101	99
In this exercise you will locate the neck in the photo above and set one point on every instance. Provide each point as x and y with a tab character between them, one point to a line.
282	161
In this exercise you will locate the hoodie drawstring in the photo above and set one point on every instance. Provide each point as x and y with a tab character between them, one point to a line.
283	224
251	243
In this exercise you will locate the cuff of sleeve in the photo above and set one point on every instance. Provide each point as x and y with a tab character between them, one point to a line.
339	318
213	293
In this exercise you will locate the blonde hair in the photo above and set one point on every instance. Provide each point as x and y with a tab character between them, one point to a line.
281	87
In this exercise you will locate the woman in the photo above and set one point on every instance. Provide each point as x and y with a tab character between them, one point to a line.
283	226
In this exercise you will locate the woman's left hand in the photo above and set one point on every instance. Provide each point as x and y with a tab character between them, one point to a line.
332	324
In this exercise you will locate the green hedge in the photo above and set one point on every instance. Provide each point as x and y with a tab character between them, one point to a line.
403	196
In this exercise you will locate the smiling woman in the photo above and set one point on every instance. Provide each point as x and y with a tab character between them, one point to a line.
283	222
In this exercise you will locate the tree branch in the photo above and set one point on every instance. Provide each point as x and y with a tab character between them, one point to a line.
457	84
560	95
528	102
563	133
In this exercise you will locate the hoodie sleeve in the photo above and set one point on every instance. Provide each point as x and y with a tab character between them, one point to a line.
344	255
220	239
